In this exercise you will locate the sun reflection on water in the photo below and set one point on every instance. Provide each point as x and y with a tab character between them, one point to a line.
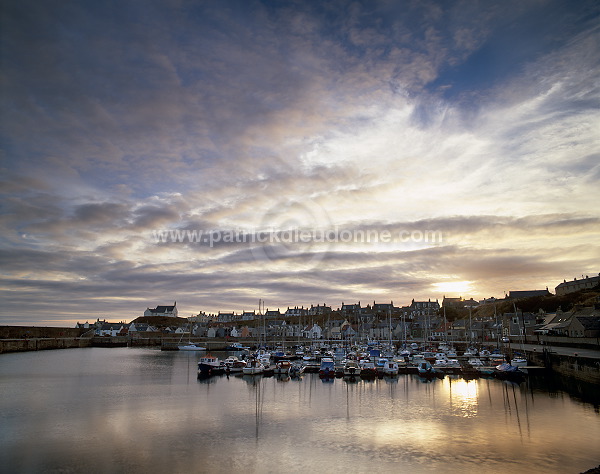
463	396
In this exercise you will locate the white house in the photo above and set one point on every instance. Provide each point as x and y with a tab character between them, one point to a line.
314	332
111	329
138	328
169	311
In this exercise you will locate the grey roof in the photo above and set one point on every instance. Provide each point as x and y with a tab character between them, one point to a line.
162	309
589	322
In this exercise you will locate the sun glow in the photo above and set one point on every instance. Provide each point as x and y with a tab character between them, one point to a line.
454	287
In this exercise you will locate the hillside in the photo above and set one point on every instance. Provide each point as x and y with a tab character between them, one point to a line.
547	303
161	321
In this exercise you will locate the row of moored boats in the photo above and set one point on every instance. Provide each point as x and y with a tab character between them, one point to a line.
366	362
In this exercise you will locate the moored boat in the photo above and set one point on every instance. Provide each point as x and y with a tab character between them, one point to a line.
327	367
351	368
367	369
282	367
509	372
234	364
253	367
296	370
449	366
518	361
210	365
236	346
390	368
191	347
425	369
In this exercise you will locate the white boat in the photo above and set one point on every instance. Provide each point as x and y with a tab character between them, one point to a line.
450	366
351	368
405	354
447	363
191	347
253	367
234	365
390	368
236	346
475	362
518	362
367	368
265	360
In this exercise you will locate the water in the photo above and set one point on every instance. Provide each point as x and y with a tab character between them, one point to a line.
142	410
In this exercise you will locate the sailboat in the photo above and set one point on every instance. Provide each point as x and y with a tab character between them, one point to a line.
190	346
519	360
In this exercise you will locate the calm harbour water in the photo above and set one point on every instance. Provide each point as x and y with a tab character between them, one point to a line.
143	410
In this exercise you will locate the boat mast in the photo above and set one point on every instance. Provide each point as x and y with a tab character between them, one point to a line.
390	330
470	329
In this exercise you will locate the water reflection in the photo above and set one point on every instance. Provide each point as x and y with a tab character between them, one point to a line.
149	411
463	396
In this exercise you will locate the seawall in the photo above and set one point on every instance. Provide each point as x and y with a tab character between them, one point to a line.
42	344
586	369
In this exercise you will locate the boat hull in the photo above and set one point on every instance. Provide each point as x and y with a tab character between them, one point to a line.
191	347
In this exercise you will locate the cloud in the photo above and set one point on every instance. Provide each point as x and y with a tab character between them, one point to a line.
473	120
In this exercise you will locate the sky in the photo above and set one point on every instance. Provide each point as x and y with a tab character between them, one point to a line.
218	153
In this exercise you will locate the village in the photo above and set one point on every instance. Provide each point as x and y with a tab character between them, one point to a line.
572	313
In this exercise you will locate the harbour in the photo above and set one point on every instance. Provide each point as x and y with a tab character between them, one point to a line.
65	410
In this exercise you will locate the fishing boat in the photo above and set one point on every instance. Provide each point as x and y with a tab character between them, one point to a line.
210	365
